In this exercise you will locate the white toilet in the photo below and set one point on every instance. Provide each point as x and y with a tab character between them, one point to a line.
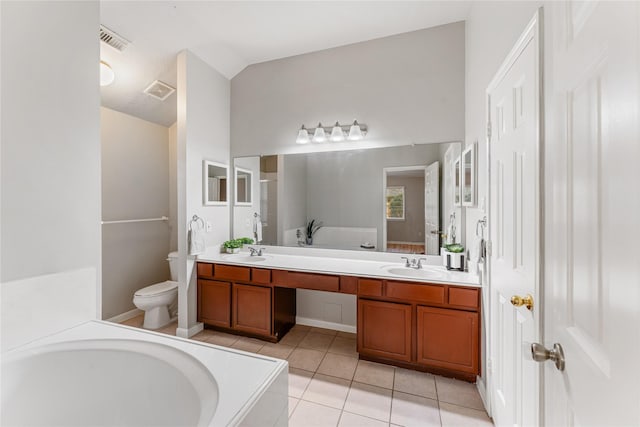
157	299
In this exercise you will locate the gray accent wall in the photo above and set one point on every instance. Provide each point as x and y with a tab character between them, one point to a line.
408	88
135	185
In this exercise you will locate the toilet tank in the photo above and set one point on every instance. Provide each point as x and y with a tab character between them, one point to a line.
173	265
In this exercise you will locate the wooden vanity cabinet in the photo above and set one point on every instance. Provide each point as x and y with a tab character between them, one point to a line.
384	329
214	302
252	309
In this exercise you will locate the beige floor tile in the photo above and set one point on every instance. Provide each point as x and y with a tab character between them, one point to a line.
223	339
459	393
298	382
453	415
331	332
346	335
414	382
305	358
134	321
170	329
316	341
276	350
345	346
338	365
347	419
308	414
329	391
370	401
300	328
293	402
251	345
411	410
374	374
203	335
293	338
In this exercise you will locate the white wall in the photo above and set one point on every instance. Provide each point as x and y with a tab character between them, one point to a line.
408	88
243	215
135	184
173	187
202	133
50	155
292	194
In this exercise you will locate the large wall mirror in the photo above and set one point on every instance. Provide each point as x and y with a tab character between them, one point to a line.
215	183
392	199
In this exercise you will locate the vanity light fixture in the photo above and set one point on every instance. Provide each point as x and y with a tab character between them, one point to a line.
337	133
303	136
107	76
319	134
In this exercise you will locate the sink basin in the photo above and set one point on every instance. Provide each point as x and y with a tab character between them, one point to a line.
243	258
414	273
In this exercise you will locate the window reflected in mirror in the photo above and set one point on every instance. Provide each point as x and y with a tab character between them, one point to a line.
243	186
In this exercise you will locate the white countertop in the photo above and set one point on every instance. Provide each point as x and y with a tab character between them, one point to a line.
336	263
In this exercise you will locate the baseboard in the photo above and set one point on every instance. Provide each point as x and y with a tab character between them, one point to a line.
482	390
188	333
126	316
327	325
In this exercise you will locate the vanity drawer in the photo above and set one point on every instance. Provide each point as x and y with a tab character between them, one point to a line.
205	269
294	279
370	287
348	285
463	297
232	272
260	275
415	292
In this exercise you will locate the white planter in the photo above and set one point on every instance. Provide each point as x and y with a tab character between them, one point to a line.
452	260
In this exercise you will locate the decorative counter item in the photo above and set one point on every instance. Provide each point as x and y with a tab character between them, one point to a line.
233	246
311	228
453	256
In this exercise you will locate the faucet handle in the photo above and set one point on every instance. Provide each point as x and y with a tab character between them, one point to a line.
420	262
260	251
252	251
407	263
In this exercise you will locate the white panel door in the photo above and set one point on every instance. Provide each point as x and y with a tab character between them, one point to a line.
432	209
514	220
592	262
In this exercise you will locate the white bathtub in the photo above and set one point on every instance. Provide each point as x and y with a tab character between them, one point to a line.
104	374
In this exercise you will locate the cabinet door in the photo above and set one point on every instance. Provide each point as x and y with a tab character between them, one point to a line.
214	302
448	339
252	309
384	329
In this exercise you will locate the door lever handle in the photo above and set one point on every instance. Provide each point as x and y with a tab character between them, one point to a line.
540	354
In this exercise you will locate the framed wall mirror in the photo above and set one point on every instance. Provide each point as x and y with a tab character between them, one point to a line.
215	183
243	181
469	176
457	178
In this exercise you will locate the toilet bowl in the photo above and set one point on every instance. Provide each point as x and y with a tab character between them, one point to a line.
156	299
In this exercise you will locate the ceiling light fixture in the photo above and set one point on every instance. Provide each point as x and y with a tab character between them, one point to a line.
337	133
107	76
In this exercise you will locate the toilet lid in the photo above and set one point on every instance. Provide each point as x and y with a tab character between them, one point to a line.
157	289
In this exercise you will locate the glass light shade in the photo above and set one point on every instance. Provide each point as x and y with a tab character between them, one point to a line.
337	134
355	133
107	76
303	136
319	135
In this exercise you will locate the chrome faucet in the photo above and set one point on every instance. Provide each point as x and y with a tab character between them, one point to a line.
414	263
254	251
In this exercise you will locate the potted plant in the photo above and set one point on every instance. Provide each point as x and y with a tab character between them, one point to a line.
233	246
311	228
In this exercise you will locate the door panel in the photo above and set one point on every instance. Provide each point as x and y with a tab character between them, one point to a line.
214	302
432	209
592	206
384	329
252	309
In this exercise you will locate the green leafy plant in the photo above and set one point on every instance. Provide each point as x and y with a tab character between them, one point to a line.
454	247
312	227
232	244
245	240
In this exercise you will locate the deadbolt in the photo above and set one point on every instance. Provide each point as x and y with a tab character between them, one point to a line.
519	301
540	354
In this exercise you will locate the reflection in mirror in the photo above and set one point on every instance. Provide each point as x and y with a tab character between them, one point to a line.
243	186
215	183
457	201
347	192
468	176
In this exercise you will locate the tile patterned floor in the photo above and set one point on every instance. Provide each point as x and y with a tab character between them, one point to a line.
329	386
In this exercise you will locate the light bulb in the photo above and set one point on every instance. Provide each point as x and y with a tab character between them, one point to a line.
107	76
319	135
303	136
337	134
355	133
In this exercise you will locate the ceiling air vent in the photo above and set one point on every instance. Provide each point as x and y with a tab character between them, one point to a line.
113	39
159	90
